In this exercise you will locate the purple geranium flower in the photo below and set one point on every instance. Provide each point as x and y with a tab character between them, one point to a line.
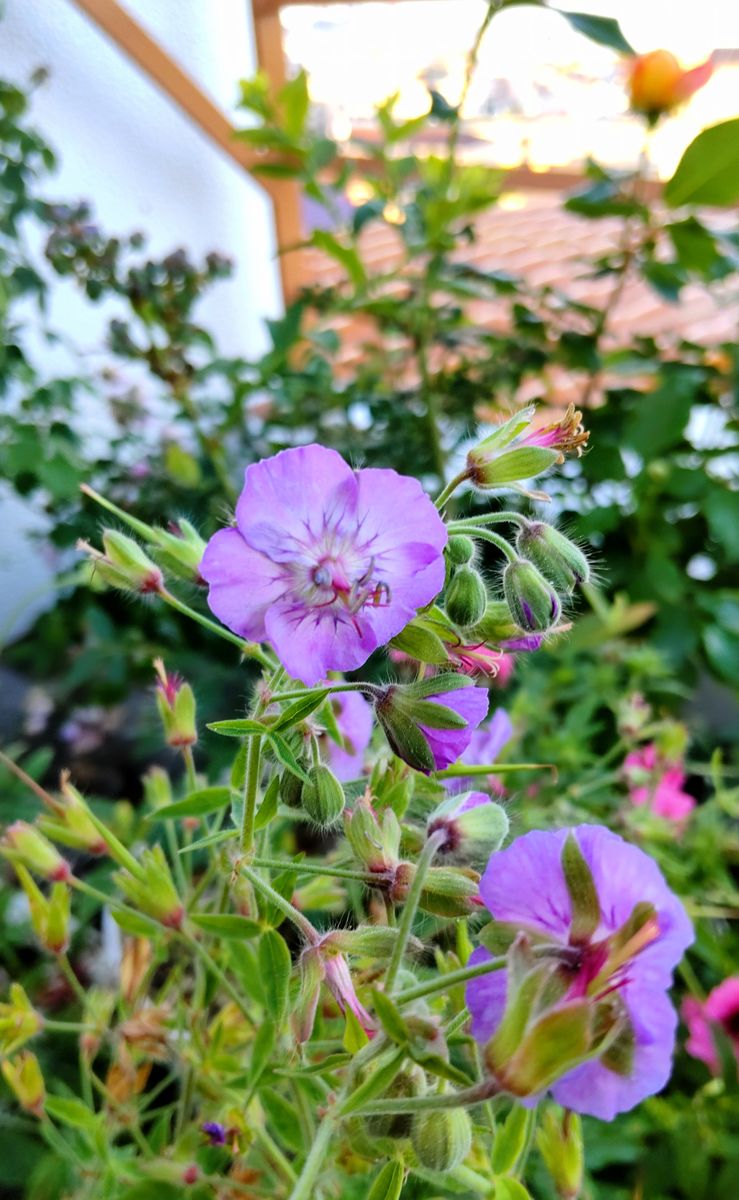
525	886
446	745
325	563
354	719
485	745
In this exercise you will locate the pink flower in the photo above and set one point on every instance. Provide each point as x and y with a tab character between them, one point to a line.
720	1008
657	784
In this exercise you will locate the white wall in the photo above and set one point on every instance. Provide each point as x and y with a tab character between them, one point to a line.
123	145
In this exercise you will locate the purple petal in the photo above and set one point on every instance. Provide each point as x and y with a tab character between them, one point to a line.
394	511
595	1090
289	500
485	998
243	583
446	745
311	642
354	719
524	884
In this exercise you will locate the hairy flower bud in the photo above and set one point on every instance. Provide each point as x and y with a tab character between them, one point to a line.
410	1082
176	704
19	1021
559	560
475	826
124	564
152	889
323	796
429	724
447	891
23	1077
441	1139
71	823
24	844
466	597
560	1143
375	844
460	550
180	550
533	602
495	624
50	916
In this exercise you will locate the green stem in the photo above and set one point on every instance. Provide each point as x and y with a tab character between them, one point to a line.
68	972
146	532
329	690
251	793
494	518
442	983
465	1098
285	907
487	535
274	1154
304	1187
248	649
461	770
190	774
451	487
410	907
308	868
75	1027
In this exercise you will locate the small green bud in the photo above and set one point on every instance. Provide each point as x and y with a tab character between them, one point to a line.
291	789
323	796
23	1077
24	844
181	551
447	891
71	823
559	560
152	888
411	1082
534	604
441	1139
560	1142
512	466
157	787
460	549
474	824
50	916
176	704
19	1021
466	597
124	564
375	844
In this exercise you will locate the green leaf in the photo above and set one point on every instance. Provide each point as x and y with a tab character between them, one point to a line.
196	804
354	1036
239	728
605	31
275	968
226	925
510	1140
390	1018
269	804
135	924
212	839
389	1183
708	172
421	643
285	755
71	1112
376	1083
261	1051
295	102
300	709
722	513
510	1189
346	256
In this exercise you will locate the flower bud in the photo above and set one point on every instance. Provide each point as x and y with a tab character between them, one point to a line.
157	787
181	550
560	1143
475	826
124	564
71	824
323	796
176	704
19	1021
447	891
442	1138
533	602
375	845
24	844
657	82
429	723
460	550
50	916
512	466
466	597
152	888
291	789
23	1077
559	560
410	1082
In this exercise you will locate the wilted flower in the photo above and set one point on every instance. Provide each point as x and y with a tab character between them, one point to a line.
354	722
721	1007
657	784
325	563
657	83
616	945
176	704
324	962
429	724
515	451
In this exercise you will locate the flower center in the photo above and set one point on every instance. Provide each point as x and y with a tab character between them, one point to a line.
344	580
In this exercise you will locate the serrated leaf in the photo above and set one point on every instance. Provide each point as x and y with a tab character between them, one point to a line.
275	967
196	804
226	925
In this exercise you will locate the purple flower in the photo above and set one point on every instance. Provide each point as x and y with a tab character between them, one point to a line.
354	719
324	563
525	886
447	745
215	1132
485	745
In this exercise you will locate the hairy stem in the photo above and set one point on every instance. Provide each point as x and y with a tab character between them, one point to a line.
410	907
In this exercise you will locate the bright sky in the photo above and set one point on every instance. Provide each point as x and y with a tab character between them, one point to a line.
568	91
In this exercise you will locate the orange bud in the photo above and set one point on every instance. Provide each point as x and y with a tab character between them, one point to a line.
658	84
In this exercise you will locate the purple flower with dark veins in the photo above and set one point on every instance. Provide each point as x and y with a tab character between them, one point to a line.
324	563
616	947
